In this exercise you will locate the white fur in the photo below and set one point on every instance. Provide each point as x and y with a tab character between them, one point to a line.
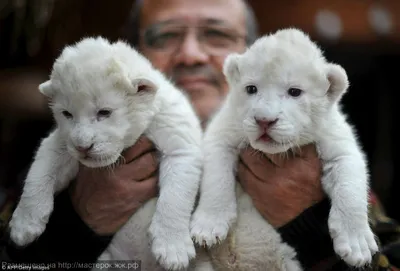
274	64
252	245
95	75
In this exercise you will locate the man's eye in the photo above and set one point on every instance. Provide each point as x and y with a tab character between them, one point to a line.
163	39
215	33
166	36
218	38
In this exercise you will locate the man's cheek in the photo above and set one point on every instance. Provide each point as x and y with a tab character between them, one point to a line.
159	61
218	63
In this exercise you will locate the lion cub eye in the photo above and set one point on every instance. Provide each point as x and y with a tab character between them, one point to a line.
294	92
104	113
67	114
251	89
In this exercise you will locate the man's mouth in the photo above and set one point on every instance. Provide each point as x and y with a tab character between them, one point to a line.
192	82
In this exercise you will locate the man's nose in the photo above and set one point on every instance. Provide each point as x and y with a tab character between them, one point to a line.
191	52
266	123
84	149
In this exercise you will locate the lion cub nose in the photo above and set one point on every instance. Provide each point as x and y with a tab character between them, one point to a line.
84	149
265	123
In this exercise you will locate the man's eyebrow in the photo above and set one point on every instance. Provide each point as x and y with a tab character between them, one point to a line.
207	21
215	22
163	23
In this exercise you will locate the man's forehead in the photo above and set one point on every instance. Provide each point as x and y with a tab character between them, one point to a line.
193	12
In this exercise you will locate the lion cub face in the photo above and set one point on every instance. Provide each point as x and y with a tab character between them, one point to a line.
282	87
101	97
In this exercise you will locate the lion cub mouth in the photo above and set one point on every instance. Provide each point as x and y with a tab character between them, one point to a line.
265	138
94	158
95	162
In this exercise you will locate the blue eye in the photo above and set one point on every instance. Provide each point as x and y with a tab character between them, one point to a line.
294	92
251	89
104	113
67	114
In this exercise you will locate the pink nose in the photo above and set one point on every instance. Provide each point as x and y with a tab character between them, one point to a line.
84	149
265	123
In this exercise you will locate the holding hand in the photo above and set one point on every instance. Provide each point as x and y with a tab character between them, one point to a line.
106	198
282	186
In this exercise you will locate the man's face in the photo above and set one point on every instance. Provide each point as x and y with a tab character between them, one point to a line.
188	41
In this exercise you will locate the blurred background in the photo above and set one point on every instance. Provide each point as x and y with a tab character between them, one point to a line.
361	35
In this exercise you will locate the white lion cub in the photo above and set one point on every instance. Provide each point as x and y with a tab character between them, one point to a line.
104	96
285	94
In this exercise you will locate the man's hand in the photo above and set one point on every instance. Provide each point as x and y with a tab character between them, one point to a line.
281	186
106	198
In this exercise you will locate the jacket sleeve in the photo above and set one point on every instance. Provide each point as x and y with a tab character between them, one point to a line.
66	239
309	235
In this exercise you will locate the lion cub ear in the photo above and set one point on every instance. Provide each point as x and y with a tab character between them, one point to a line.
231	67
338	81
46	89
122	79
144	85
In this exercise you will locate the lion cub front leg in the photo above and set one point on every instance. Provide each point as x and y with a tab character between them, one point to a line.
50	172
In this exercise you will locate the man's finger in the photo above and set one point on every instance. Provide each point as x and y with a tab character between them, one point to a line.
249	181
309	151
142	146
282	159
242	173
257	163
141	168
147	188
